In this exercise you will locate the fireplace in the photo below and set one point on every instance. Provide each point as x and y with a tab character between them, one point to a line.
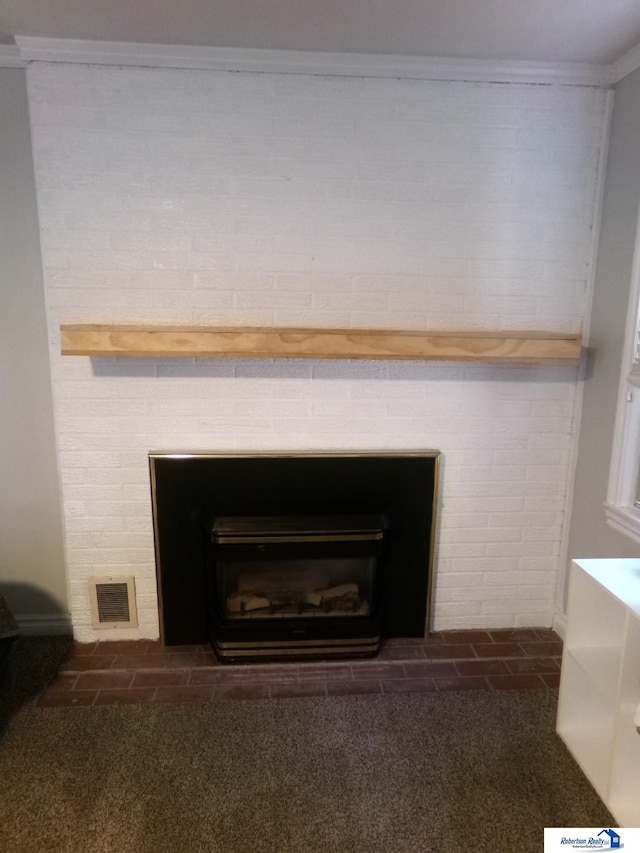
296	585
356	528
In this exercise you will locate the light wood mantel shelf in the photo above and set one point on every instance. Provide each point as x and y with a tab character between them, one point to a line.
264	342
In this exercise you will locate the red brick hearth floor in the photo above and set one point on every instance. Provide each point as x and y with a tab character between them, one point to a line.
143	671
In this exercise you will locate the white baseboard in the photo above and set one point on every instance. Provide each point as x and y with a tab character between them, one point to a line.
560	624
44	625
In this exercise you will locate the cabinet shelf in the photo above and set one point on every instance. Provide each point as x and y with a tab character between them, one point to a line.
590	748
600	665
104	340
600	682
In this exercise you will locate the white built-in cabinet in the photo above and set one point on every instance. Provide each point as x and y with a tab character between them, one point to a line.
600	682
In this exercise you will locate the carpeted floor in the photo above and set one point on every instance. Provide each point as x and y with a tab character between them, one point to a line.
403	773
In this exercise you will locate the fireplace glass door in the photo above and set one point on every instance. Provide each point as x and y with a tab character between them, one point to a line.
295	585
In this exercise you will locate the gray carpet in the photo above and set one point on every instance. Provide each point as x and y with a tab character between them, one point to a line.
372	774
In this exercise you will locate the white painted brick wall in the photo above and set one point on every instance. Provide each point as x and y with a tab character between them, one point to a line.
173	196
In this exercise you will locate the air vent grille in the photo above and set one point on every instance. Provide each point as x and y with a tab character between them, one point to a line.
113	603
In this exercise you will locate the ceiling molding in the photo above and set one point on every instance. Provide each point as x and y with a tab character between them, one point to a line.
10	57
624	66
307	62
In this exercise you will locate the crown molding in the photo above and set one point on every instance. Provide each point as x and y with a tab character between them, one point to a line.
10	57
307	62
624	66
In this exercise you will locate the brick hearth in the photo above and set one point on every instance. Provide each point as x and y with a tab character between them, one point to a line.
104	673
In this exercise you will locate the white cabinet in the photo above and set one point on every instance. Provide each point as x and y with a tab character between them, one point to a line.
600	682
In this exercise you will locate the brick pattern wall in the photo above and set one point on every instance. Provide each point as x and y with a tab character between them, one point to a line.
175	196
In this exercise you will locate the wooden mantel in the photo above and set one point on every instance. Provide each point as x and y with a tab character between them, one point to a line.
265	342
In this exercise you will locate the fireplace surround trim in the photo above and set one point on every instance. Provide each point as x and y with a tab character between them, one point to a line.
192	455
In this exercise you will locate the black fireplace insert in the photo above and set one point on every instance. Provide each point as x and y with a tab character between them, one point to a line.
191	490
295	585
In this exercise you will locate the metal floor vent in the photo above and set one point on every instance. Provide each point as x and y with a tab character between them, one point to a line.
113	602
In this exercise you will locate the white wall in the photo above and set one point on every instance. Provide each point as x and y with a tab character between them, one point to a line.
32	571
590	535
207	197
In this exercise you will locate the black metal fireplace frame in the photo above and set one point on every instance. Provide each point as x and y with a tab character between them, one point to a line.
187	488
